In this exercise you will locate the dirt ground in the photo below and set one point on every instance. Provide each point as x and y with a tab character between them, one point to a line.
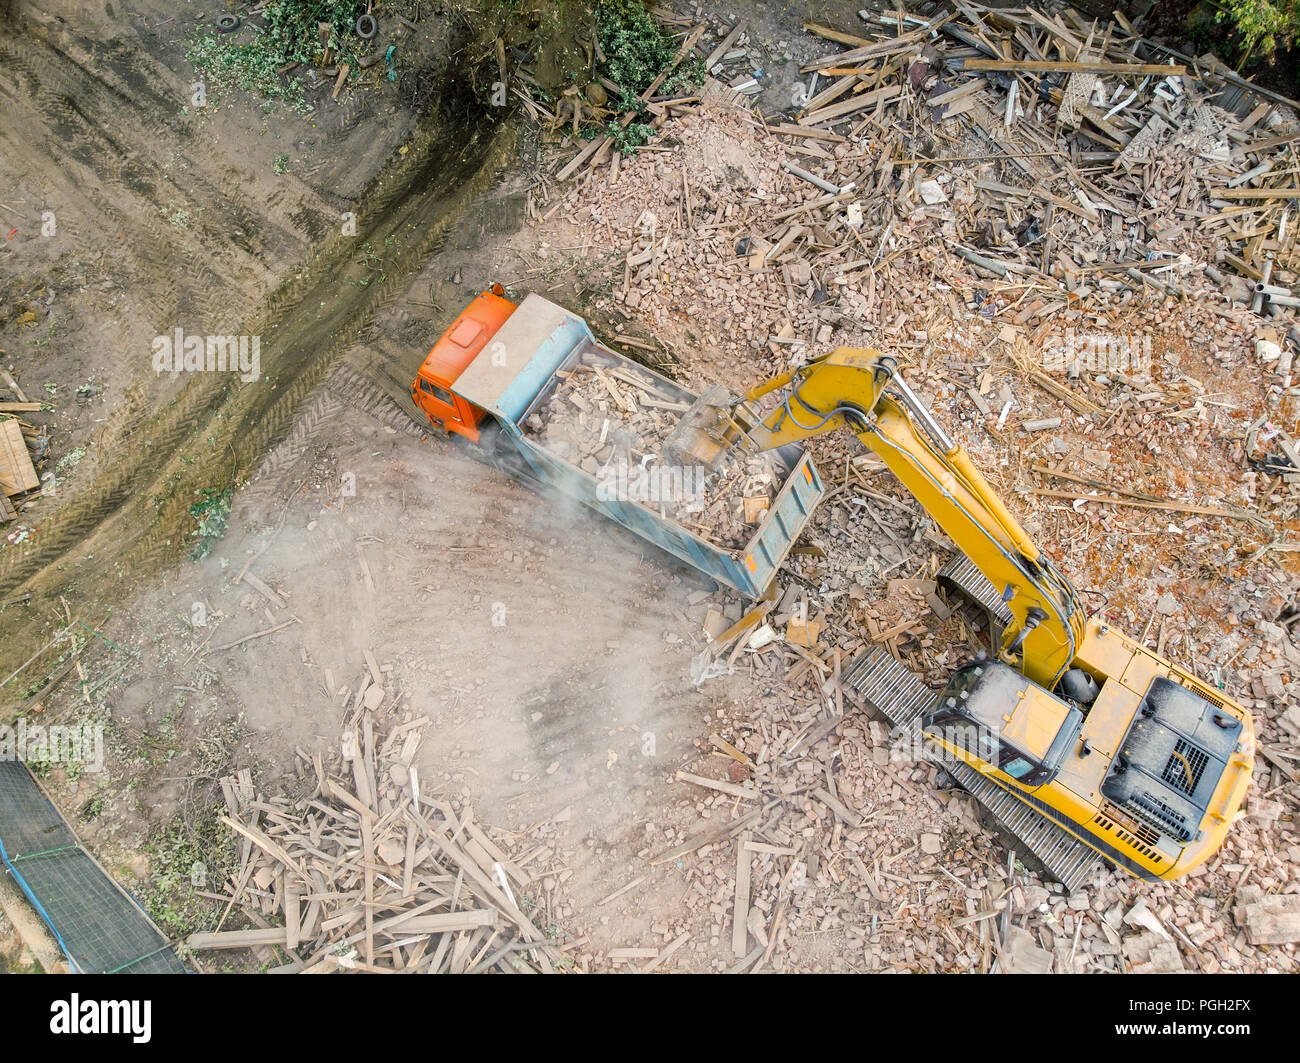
550	651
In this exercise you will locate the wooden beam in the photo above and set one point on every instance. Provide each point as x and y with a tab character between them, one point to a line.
837	36
1035	66
1253	193
239	939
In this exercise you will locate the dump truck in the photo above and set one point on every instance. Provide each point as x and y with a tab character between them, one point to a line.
500	363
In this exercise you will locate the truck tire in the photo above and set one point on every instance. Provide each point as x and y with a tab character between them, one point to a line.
499	449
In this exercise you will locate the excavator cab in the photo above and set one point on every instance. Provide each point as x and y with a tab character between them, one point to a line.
996	720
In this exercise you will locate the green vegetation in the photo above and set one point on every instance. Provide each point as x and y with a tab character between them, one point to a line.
252	58
281	164
636	51
211	511
195	850
70	460
184	857
1263	25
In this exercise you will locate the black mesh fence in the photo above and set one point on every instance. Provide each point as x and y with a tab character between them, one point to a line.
101	928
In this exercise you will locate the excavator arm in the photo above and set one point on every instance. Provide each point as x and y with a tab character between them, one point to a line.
862	390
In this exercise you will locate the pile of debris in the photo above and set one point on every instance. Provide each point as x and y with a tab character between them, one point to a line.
984	194
362	871
1071	377
1038	191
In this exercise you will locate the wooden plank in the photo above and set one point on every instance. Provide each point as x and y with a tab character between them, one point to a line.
787	130
13	385
1221	192
20	407
884	47
850	818
956	94
238	939
731	789
292	916
740	910
443	922
373	665
854	103
667	951
17	473
724	45
838	37
710	835
344	70
633	954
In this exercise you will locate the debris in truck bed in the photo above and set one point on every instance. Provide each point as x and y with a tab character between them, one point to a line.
612	422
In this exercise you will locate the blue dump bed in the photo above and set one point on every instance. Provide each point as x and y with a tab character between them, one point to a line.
517	372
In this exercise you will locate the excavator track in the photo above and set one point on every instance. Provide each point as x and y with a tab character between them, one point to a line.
900	696
961	575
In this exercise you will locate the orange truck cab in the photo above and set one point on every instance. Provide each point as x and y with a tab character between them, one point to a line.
451	355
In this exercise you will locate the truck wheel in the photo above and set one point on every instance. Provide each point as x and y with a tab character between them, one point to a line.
508	459
502	452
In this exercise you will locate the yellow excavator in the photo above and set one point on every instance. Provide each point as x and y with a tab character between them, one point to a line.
1080	740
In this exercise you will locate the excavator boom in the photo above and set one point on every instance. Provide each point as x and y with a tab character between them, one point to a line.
849	389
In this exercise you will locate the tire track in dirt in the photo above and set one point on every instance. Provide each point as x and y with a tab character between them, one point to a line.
111	127
134	519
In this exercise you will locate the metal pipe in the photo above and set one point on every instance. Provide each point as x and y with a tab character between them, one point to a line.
917	408
1257	171
1257	303
812	178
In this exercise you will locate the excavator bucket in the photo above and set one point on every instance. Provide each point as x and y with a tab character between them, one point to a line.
699	437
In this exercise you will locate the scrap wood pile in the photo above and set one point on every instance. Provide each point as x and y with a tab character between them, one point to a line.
364	872
1064	152
745	268
1069	153
1084	180
612	421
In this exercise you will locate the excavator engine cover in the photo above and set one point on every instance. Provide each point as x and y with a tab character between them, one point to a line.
1172	758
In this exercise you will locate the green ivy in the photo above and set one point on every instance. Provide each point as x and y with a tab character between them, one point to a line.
212	512
288	34
637	50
